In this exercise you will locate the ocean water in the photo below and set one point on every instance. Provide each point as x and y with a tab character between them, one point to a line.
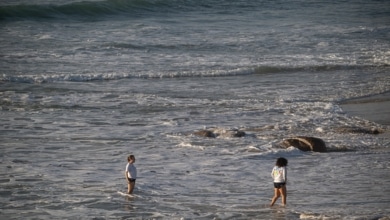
83	84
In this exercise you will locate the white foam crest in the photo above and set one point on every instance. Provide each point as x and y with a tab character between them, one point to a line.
85	77
189	145
318	216
45	36
381	57
253	149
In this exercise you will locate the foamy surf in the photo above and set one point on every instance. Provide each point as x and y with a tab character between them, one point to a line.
126	194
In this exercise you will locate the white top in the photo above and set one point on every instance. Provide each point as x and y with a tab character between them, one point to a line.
131	171
279	174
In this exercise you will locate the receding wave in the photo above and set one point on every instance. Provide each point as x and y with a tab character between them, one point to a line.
85	77
310	68
86	9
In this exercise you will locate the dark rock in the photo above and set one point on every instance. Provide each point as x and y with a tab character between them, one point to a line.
359	130
238	133
305	143
230	133
205	133
219	132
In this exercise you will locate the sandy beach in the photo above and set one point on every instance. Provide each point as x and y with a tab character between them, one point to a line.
374	108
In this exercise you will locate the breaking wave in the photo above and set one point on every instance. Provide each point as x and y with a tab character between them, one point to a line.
85	77
96	9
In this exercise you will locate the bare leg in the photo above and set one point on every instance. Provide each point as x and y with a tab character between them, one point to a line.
276	196
131	187
128	187
283	192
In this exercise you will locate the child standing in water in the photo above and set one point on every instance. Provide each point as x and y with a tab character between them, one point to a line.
130	174
279	174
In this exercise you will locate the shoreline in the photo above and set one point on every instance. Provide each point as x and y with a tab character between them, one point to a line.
375	108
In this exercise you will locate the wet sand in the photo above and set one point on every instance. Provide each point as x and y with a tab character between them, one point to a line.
373	108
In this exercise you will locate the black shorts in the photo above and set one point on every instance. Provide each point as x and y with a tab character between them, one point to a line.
279	185
131	180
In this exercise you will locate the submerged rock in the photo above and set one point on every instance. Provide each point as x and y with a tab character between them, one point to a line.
231	133
218	132
205	133
359	130
305	143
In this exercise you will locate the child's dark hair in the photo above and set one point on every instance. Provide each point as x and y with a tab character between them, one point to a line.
131	157
281	162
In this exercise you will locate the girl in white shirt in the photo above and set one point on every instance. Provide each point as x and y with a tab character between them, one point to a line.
130	174
279	174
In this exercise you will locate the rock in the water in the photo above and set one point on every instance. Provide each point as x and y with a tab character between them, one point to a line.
220	132
305	143
239	134
359	130
205	133
231	133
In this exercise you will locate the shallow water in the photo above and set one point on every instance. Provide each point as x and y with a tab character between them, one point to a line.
64	151
81	89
